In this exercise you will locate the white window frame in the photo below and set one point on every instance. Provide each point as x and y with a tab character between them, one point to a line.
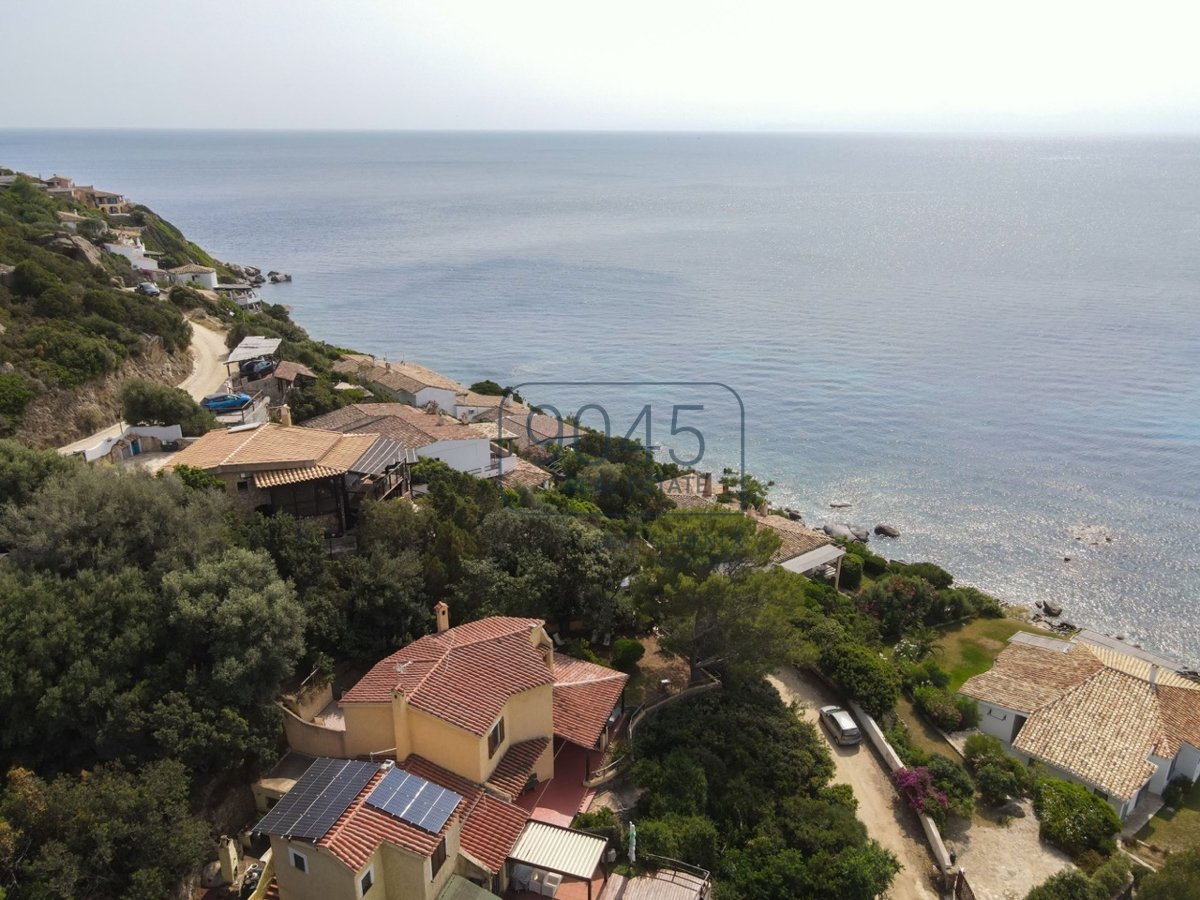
368	872
293	855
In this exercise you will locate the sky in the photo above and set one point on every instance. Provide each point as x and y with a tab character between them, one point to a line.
855	65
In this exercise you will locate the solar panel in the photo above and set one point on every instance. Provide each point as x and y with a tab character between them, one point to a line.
323	792
412	799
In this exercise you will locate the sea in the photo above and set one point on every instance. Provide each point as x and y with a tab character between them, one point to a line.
992	343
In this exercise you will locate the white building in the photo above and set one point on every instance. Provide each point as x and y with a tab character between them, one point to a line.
1112	718
200	276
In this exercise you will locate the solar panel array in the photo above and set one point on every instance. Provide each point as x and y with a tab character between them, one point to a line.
414	800
323	793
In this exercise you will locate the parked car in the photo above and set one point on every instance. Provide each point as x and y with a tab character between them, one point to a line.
254	369
225	402
841	725
148	289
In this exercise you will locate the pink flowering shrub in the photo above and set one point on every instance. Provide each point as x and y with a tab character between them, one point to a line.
916	786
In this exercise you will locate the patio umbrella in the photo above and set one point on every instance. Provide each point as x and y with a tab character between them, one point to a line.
632	843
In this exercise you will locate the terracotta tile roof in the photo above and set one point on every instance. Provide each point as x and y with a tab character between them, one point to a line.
491	831
464	675
277	477
189	269
584	697
512	773
399	421
1093	711
1025	678
289	371
409	377
525	429
490	401
359	831
516	471
277	454
795	537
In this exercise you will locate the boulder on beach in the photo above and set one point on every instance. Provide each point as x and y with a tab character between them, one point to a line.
860	533
887	530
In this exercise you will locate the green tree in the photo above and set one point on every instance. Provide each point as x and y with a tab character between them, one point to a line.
864	675
111	833
24	470
149	403
700	544
1178	879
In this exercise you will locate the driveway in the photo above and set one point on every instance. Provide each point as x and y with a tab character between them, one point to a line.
208	374
879	806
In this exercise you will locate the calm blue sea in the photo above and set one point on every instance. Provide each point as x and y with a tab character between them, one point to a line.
990	343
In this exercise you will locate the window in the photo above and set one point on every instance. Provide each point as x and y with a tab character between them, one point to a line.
995	715
367	881
299	860
496	738
243	486
438	857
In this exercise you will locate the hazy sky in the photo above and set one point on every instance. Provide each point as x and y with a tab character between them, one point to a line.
564	64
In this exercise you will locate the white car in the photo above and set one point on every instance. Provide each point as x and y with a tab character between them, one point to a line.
841	725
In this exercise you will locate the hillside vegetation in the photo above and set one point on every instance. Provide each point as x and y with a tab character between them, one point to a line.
65	317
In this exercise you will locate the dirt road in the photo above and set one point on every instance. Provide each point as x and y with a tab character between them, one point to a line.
208	374
879	806
208	362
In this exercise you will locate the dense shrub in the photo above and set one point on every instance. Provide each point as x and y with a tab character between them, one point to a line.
1178	879
627	653
865	676
897	602
926	672
918	789
852	572
148	403
953	781
1070	884
1176	790
931	572
873	564
689	838
1073	818
997	774
949	712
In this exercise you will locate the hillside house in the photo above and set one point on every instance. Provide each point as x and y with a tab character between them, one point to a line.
404	382
1109	717
428	432
319	475
195	275
801	549
500	734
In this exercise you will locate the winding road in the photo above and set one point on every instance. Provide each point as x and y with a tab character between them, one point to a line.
208	374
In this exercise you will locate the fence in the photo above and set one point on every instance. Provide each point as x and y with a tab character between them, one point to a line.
962	890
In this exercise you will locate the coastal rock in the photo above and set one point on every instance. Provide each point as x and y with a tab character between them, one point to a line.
860	533
794	515
1053	610
840	531
887	530
840	504
77	248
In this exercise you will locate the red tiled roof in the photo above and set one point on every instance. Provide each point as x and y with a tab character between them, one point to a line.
584	697
359	831
513	771
491	830
464	675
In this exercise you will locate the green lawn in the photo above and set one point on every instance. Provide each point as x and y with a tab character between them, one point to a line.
922	735
969	649
1178	830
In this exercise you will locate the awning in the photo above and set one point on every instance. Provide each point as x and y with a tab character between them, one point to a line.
556	849
253	347
821	556
280	477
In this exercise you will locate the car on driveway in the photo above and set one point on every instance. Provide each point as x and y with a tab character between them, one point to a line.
148	289
841	725
225	402
254	369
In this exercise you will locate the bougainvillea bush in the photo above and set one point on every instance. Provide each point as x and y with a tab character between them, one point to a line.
917	787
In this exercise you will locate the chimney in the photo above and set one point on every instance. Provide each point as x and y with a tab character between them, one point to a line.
285	415
227	852
706	491
443	616
1153	675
